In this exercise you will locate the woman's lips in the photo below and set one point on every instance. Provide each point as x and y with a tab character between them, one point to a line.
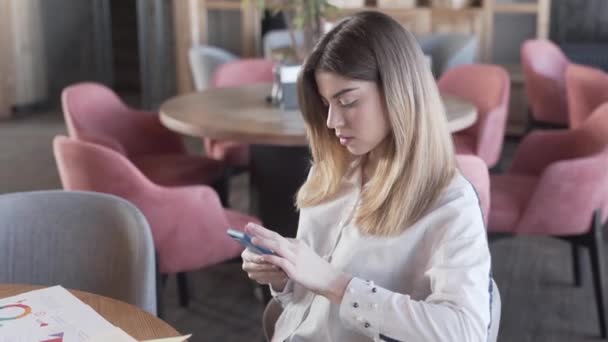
345	140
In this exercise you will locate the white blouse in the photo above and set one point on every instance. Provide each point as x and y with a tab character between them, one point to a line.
430	283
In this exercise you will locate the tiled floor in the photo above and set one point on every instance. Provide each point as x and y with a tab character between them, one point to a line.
534	274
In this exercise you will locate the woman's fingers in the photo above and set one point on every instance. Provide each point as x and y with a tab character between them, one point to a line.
270	239
280	247
256	267
282	263
266	277
249	256
257	230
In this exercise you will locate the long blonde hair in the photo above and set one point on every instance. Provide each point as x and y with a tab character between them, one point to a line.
416	160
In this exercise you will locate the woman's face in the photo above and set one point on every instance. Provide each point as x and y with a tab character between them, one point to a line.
356	111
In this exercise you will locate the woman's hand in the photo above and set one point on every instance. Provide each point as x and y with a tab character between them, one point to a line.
300	263
263	272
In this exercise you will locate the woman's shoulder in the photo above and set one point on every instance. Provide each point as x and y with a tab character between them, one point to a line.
457	211
459	188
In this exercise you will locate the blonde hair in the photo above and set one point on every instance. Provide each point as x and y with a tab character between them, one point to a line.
416	160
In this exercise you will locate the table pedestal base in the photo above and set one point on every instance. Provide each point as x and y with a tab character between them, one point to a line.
277	172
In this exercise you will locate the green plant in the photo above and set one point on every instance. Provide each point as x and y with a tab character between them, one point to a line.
307	16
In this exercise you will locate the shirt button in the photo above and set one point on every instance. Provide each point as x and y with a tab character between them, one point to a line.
355	305
366	325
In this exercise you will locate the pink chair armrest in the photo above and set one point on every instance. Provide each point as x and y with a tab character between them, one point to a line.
566	196
189	225
490	142
541	148
475	170
104	141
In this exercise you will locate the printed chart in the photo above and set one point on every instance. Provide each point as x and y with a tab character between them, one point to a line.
49	315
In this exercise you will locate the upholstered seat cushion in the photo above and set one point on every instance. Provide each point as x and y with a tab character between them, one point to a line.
464	144
178	169
509	197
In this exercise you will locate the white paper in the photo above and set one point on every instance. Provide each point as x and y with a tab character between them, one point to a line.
49	315
170	339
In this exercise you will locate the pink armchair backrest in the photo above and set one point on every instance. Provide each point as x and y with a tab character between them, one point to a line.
587	89
91	167
243	72
488	87
182	219
475	170
544	66
573	186
93	112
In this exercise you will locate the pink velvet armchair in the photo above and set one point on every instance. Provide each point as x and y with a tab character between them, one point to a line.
488	87
587	89
558	186
544	66
96	114
188	223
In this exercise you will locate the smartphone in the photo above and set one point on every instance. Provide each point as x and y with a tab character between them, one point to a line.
245	240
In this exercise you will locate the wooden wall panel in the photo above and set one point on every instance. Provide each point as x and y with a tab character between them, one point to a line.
183	40
28	51
22	59
6	60
469	21
191	18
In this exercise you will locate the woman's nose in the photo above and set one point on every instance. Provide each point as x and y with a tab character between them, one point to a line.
334	118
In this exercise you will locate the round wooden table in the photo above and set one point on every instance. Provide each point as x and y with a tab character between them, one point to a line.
242	114
279	154
134	321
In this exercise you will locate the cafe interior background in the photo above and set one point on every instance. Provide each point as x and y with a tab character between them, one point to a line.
148	51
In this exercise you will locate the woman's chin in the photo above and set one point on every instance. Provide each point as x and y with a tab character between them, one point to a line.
356	151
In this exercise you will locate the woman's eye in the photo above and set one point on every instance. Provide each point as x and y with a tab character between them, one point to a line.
347	104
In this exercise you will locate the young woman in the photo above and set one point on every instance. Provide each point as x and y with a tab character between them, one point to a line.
391	243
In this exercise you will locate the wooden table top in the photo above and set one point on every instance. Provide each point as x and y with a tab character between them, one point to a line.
134	321
242	114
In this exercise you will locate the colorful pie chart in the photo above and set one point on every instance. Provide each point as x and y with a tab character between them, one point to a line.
26	311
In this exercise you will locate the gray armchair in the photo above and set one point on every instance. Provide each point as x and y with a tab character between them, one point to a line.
81	240
204	60
276	39
448	50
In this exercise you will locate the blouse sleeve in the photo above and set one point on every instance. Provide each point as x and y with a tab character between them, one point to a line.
458	308
285	296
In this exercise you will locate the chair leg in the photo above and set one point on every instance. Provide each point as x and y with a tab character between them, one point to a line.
160	285
182	287
499	167
222	186
576	263
597	264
